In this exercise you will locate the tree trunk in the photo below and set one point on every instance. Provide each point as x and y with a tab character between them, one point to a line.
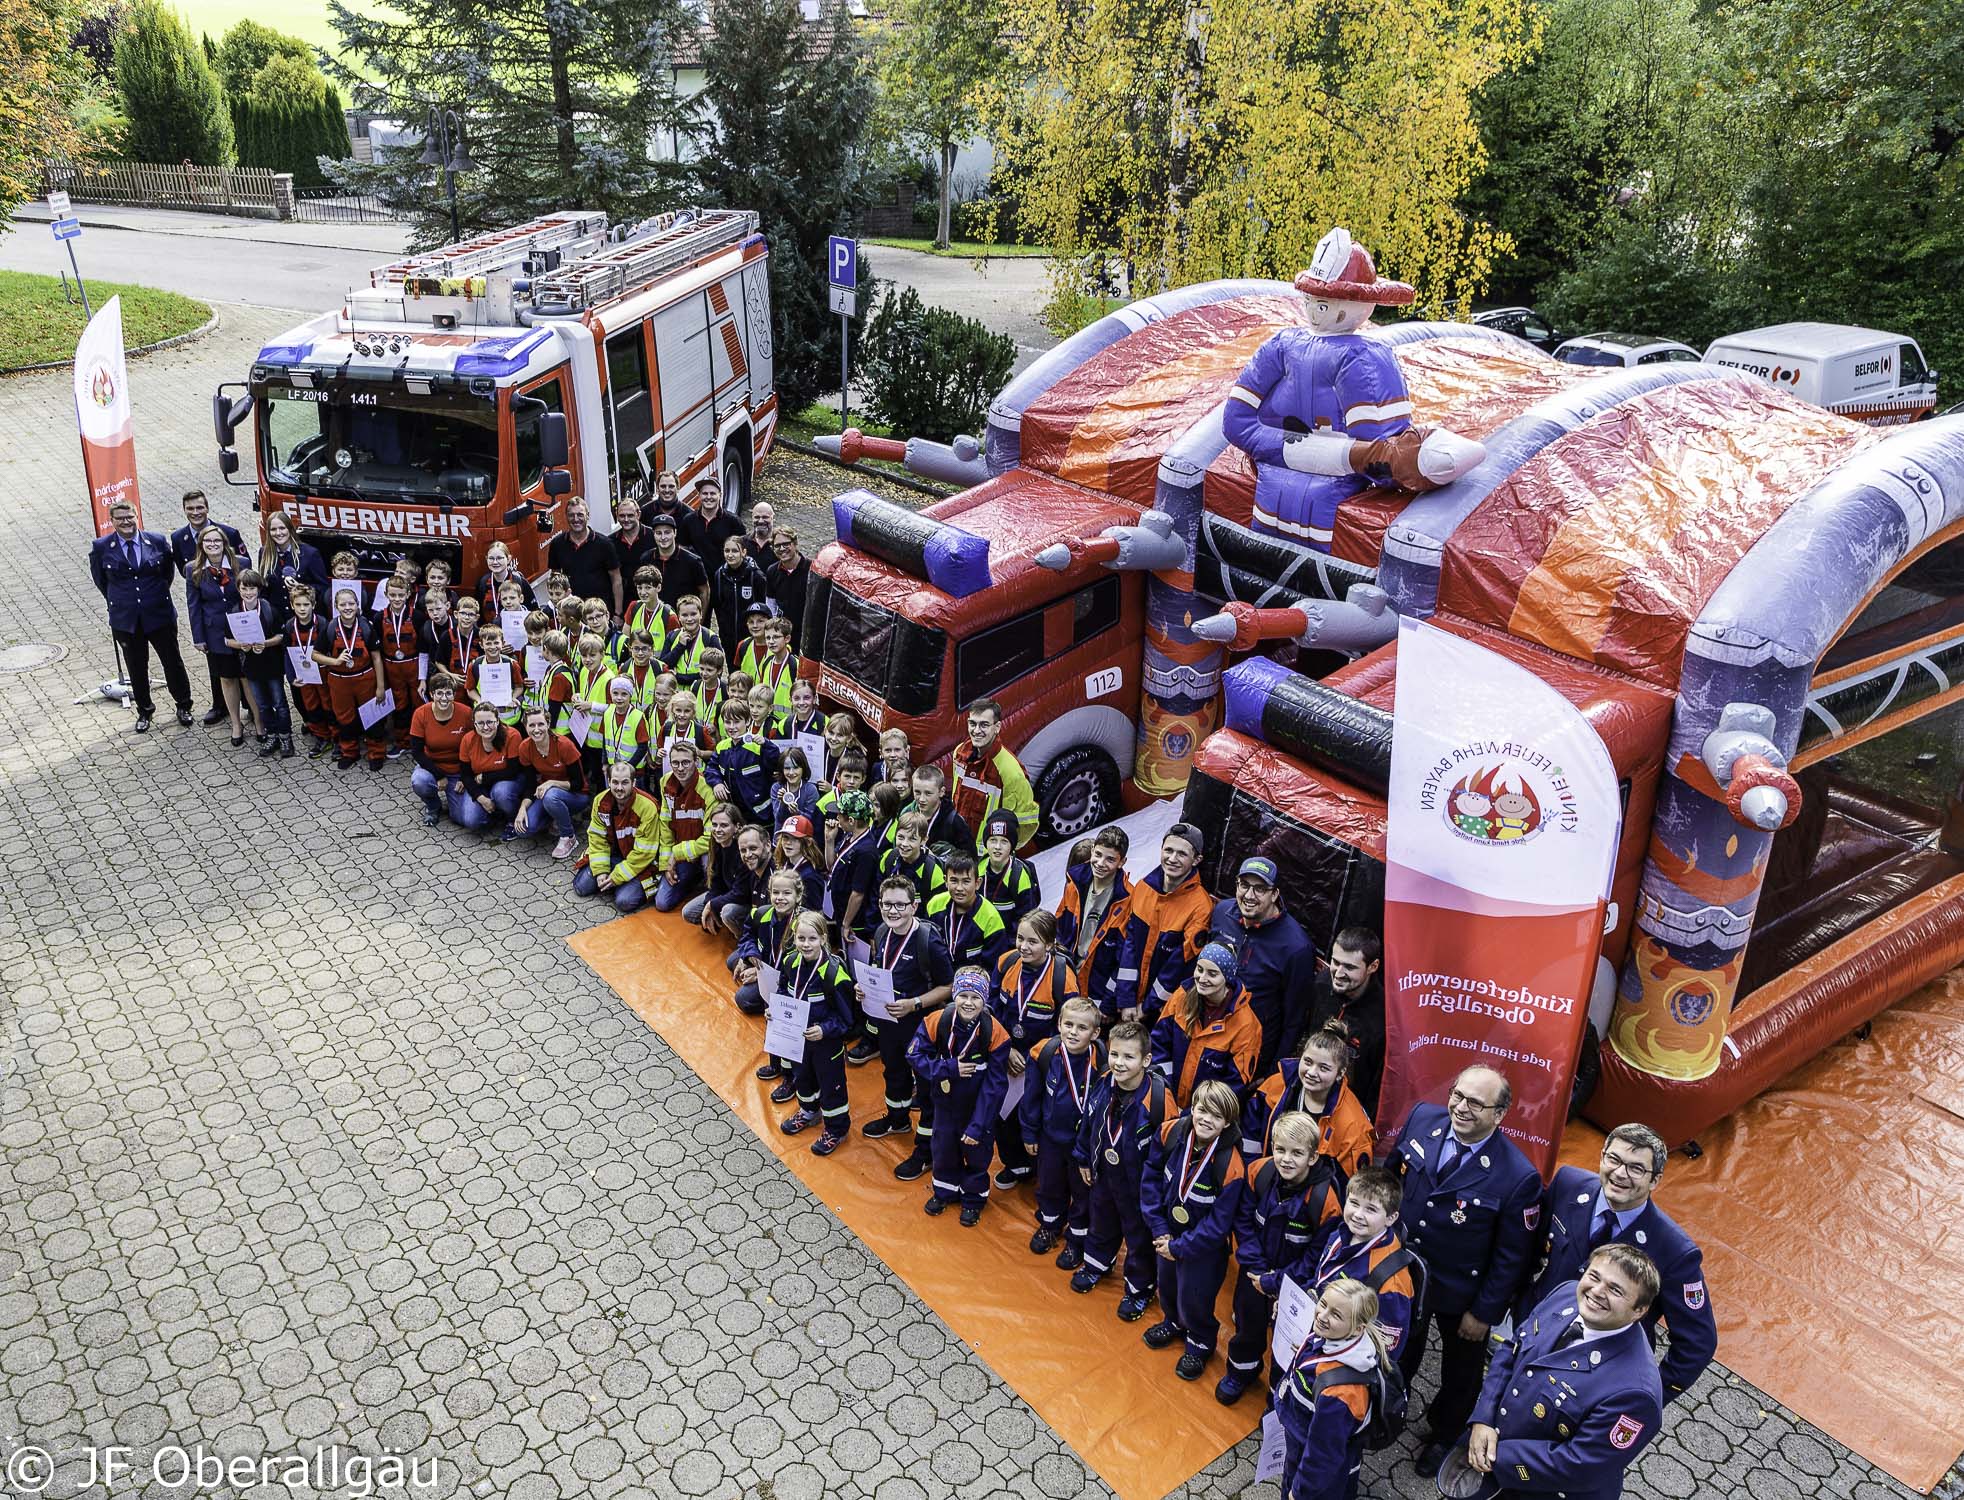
944	220
562	112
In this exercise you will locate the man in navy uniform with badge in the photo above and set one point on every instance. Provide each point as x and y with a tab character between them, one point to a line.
1471	1203
1575	1398
1581	1212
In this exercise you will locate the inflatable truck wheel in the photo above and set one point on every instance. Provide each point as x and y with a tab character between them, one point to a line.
1076	793
736	472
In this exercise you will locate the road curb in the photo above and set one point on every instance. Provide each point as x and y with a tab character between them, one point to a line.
188	336
251	239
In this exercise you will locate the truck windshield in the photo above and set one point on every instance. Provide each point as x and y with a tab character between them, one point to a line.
379	443
884	653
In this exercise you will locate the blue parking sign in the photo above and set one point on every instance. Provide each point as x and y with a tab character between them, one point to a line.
67	229
842	257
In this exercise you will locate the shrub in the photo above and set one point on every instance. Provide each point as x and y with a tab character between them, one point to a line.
289	118
170	96
931	373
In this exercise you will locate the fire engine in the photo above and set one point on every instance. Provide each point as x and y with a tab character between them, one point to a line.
465	392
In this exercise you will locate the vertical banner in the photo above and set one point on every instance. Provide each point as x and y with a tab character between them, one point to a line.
1499	850
102	411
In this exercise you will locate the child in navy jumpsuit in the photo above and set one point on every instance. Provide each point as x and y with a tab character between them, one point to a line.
1120	1122
962	1053
1062	1072
912	951
1326	1400
1189	1195
812	973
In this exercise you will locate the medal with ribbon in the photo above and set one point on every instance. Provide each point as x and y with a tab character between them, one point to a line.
1190	1174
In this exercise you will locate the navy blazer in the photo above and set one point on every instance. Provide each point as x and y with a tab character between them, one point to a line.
1473	1228
1568	1209
184	546
139	592
1570	1420
208	604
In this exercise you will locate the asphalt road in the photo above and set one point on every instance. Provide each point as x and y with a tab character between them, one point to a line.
310	266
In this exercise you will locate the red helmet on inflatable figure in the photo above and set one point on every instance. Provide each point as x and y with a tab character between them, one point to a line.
1342	271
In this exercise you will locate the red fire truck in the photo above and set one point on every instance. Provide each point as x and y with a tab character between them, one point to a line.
465	392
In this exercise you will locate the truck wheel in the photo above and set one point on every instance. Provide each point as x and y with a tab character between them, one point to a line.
736	472
1076	792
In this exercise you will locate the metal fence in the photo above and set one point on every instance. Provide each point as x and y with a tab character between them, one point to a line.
247	190
331	205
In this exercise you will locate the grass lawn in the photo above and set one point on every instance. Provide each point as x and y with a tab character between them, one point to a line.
961	249
37	327
821	419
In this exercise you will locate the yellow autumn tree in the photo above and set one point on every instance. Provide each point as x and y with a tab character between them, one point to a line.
1199	140
39	90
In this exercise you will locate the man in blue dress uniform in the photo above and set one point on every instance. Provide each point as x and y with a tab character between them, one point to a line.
133	570
1582	1211
1570	1403
1323	410
1471	1203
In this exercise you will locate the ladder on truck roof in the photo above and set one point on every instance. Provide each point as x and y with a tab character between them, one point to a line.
657	247
569	232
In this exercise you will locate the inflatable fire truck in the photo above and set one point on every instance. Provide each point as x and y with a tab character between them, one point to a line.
455	400
1757	604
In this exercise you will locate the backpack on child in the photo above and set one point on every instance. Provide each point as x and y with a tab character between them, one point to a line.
1384	1422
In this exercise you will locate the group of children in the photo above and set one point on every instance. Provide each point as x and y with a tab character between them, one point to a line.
1154	1155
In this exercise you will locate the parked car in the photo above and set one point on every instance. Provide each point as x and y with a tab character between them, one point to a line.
1621	350
1522	322
1865	373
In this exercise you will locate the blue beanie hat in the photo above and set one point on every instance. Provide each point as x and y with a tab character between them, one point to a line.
971	981
1221	956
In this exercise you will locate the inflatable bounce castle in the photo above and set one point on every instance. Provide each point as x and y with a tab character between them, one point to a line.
1757	605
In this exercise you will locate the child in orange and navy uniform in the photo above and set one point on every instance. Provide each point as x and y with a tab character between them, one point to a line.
814	974
1189	1195
1364	1245
1313	1083
963	1054
1208	1030
1061	1073
1032	983
1326	1401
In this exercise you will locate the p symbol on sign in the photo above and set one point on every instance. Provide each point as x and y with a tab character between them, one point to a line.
843	261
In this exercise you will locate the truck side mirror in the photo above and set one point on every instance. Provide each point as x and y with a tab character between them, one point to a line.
553	447
517	513
557	482
226	415
228	462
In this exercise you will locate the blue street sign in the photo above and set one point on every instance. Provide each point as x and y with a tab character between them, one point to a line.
67	229
842	256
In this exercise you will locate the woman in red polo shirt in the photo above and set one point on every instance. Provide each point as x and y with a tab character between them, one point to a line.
436	734
492	774
554	788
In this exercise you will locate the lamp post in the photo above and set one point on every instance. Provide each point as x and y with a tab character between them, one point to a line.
443	147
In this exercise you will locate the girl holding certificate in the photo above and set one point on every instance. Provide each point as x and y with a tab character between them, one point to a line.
814	975
212	591
262	663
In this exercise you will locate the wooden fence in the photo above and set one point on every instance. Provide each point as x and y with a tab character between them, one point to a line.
236	190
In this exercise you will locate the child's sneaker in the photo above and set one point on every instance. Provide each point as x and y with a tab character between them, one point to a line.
564	848
1043	1241
803	1120
933	1208
321	747
971	1215
827	1143
769	1070
1086	1280
1231	1385
1010	1177
1190	1365
1131	1309
1070	1257
431	817
914	1167
1163	1334
862	1051
887	1124
785	1092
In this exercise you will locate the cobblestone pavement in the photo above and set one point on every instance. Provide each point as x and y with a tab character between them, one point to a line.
312	1132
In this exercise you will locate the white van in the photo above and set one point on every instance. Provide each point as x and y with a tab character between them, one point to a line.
1874	377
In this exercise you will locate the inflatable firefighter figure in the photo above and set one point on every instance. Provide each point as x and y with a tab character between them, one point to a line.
1323	410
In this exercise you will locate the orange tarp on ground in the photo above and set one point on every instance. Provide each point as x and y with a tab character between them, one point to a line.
1143	1430
1831	1213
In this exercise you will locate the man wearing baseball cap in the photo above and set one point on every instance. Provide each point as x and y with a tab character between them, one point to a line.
682	571
1277	959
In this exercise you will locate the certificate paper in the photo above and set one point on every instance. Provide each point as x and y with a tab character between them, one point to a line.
494	683
513	621
875	990
1275	1448
245	628
814	747
373	710
1295	1309
785	1020
336	587
305	668
1013	1095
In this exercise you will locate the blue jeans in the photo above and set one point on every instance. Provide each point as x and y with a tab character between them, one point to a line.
677	883
435	791
269	701
559	806
627	897
467	814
